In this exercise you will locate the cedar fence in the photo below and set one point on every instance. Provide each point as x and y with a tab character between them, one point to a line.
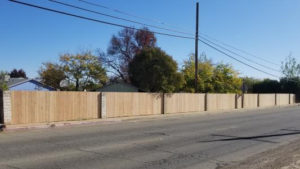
27	107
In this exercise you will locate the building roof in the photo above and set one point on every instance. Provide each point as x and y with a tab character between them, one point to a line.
17	81
119	87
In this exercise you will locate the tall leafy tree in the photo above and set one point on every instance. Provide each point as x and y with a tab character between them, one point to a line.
220	78
205	74
122	49
52	74
152	70
18	73
226	79
290	68
82	71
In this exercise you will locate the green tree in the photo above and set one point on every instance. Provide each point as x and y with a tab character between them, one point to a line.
52	75
226	79
248	84
3	84
205	75
267	86
152	70
290	68
84	70
220	78
18	73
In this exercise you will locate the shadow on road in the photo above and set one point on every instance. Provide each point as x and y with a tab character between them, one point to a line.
254	138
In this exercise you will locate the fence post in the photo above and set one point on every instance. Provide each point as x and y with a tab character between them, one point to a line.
163	104
236	101
1	108
258	100
243	102
103	105
206	102
276	101
7	107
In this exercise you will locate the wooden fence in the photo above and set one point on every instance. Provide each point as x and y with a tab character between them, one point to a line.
24	107
43	107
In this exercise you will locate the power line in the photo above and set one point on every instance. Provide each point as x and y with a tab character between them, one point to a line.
159	33
240	50
249	60
160	22
96	20
115	17
126	13
232	57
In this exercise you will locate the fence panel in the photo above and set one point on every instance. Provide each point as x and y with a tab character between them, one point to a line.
266	100
133	104
282	99
217	102
184	103
43	107
250	101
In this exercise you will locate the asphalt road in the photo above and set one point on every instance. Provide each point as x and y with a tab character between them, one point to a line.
181	141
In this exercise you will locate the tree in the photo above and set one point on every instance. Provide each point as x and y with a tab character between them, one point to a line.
18	73
290	68
248	83
226	79
122	49
267	86
84	70
3	84
205	74
152	70
52	75
220	78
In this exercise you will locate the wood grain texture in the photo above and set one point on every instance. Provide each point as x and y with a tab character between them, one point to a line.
184	103
133	104
250	101
43	107
216	102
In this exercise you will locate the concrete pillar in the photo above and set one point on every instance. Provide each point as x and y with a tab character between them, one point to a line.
7	107
103	105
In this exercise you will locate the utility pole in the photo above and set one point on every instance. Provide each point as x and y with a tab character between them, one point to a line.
196	46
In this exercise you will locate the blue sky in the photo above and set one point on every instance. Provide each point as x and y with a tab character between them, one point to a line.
266	28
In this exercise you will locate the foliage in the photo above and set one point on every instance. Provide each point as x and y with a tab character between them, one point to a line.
83	72
52	74
123	47
290	68
152	70
18	73
221	78
226	79
267	86
3	84
205	75
248	84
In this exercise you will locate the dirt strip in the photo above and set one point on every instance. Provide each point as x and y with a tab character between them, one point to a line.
284	157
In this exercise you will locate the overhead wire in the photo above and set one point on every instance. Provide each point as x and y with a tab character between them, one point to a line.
164	23
159	33
116	17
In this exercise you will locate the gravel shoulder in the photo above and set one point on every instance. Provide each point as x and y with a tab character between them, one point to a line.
284	157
